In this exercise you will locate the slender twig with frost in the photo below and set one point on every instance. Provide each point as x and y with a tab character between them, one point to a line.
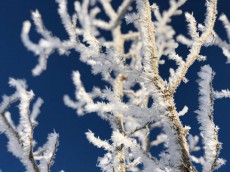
20	137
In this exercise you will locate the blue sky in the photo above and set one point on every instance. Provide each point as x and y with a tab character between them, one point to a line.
75	154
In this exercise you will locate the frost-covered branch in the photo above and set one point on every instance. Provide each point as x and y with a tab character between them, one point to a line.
115	20
149	49
209	131
197	41
20	137
136	98
214	39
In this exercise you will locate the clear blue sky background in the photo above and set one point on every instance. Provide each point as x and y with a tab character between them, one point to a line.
75	154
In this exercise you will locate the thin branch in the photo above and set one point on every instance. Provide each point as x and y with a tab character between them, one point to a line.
150	54
50	163
146	126
196	47
121	12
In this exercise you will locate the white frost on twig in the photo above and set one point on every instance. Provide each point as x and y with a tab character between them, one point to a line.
20	137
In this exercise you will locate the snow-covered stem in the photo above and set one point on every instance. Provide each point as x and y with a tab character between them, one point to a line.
221	94
21	143
97	141
121	12
196	46
214	39
209	130
175	5
226	24
149	49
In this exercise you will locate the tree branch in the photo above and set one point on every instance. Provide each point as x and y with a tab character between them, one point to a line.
196	47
